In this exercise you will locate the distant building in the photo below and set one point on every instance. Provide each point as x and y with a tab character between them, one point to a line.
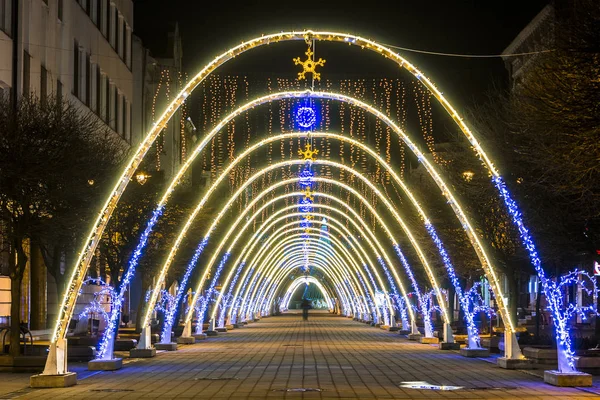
158	79
537	35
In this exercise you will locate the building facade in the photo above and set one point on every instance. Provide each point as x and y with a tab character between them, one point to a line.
538	35
159	77
77	49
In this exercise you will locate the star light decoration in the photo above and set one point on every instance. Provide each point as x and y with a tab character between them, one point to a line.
308	153
309	65
307	199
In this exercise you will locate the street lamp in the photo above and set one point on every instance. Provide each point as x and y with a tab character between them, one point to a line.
468	176
142	178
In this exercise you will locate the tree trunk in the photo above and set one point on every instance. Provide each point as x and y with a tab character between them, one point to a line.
140	310
512	293
18	257
15	317
450	305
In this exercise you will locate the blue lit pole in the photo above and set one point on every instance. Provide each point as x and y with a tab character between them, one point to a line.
473	340
211	290
255	308
171	312
380	307
415	285
245	306
374	310
237	302
106	347
229	293
395	295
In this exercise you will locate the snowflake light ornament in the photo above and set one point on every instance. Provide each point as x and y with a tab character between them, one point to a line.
308	154
309	65
308	195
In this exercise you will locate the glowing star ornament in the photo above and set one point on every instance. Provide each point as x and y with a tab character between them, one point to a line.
306	117
308	195
308	154
309	65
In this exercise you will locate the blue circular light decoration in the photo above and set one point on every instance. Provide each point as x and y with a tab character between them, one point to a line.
306	117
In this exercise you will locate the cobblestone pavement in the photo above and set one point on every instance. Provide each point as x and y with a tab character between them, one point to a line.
326	357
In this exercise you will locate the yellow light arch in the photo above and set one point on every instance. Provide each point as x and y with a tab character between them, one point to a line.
299	281
86	254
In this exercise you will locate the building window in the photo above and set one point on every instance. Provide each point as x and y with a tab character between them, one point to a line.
43	85
88	80
99	14
5	16
110	107
125	119
85	5
114	105
59	90
106	103
117	109
108	24
130	124
26	73
128	52
76	67
124	37
4	93
98	108
60	8
117	27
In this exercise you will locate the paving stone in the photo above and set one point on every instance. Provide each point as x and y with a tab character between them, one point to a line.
343	358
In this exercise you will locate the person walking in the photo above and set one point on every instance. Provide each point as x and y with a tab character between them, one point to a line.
305	307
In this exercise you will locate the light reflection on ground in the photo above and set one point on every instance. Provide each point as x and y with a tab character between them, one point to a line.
428	386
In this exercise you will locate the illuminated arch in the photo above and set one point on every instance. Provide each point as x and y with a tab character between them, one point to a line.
295	260
298	281
294	241
287	230
87	252
349	170
289	292
331	262
334	273
320	255
272	97
174	249
295	263
353	213
321	262
200	205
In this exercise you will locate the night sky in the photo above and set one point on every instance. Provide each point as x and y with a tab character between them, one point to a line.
468	27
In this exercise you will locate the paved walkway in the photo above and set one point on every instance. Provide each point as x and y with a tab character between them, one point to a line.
285	357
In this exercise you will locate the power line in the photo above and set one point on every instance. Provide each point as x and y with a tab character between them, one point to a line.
436	53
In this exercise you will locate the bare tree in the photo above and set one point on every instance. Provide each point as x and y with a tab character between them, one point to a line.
50	154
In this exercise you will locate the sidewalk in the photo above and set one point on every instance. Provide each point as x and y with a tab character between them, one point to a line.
284	357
